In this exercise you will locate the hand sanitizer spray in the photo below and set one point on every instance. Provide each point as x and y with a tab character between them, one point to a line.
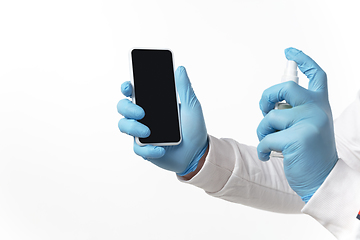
290	74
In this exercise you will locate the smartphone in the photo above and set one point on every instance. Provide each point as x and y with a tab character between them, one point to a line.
154	89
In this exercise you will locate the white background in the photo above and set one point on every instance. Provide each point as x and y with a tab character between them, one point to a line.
66	172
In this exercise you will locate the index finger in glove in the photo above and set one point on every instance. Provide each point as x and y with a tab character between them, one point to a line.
317	77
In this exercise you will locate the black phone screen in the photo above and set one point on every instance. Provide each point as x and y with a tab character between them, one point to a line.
155	92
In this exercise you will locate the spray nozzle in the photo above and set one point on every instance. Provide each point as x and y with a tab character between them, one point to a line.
290	73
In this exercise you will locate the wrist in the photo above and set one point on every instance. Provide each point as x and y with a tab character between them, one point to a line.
195	165
306	198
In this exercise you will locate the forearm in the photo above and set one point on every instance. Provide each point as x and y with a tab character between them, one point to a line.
233	172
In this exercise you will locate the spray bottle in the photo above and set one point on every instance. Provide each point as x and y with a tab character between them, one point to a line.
290	74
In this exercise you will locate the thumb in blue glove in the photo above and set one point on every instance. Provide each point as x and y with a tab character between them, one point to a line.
182	158
305	133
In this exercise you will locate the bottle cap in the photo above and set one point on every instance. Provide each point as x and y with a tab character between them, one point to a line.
290	73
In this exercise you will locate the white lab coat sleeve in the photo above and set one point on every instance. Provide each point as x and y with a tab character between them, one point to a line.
336	204
233	172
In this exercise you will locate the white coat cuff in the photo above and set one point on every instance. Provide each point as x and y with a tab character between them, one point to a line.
336	203
215	172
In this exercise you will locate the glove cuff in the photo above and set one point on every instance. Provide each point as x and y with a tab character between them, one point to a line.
306	198
194	163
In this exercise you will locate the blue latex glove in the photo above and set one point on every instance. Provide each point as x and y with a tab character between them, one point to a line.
305	133
184	157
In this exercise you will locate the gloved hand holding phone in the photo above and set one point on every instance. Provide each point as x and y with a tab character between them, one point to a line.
182	158
305	133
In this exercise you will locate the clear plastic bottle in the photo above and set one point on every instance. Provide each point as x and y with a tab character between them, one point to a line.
290	74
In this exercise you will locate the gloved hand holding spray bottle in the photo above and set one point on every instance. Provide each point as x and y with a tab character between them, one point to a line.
303	131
